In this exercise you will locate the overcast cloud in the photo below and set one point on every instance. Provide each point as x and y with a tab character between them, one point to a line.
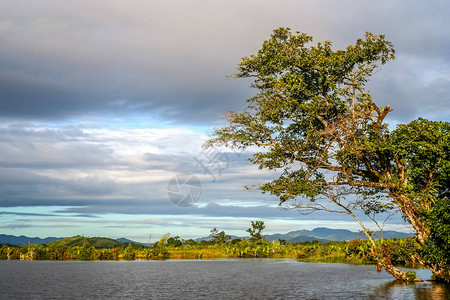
103	102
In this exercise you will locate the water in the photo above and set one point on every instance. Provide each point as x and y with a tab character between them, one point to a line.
205	279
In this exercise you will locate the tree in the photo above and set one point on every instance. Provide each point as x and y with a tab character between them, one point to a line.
314	119
255	231
174	241
219	237
436	251
129	253
84	252
160	250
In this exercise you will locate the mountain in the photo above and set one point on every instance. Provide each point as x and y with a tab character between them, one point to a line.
322	234
388	234
327	234
22	240
128	241
208	238
99	242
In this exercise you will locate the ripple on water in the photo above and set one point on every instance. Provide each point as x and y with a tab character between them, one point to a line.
203	279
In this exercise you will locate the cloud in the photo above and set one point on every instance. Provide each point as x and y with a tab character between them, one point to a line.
43	165
170	59
48	166
103	102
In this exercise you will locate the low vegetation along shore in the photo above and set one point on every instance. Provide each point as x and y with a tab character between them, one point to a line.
96	248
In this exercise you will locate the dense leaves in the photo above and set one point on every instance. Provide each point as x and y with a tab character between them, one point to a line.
312	108
255	231
437	248
219	237
316	122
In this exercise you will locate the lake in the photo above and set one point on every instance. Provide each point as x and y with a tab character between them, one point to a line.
206	279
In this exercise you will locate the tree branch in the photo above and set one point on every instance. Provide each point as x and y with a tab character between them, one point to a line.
381	115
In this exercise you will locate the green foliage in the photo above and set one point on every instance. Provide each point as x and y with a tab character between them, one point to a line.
400	251
97	242
423	146
57	250
315	120
436	250
244	248
304	91
356	251
314	117
219	237
174	241
160	249
410	276
84	252
129	253
312	109
255	231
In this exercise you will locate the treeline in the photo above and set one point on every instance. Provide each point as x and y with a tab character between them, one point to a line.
81	248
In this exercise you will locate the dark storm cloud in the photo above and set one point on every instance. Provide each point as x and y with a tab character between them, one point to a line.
62	60
69	69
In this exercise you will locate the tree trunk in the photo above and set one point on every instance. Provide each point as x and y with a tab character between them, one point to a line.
443	275
409	209
384	260
382	254
397	273
439	274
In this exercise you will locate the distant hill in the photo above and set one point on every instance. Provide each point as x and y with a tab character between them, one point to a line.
97	242
127	241
22	240
327	234
322	234
208	238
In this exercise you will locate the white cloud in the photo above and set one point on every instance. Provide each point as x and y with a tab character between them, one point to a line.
125	61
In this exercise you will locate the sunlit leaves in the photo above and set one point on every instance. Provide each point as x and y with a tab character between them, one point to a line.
437	248
314	119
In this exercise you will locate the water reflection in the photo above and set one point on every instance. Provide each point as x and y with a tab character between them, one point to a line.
421	291
203	279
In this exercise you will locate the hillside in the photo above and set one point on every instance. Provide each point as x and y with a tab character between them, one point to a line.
322	234
97	242
22	240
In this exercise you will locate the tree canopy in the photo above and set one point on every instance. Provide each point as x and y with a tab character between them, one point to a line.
315	120
255	231
219	237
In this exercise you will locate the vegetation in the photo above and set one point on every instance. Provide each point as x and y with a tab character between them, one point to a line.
355	251
219	237
436	250
316	121
255	231
220	246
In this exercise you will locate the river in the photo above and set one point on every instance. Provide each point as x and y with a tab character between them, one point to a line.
206	279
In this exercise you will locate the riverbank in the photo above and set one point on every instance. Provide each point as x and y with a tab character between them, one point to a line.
82	248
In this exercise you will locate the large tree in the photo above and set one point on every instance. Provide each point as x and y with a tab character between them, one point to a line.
315	120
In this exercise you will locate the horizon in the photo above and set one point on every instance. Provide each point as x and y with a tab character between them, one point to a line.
104	105
197	238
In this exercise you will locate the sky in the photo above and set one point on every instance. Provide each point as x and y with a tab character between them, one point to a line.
104	103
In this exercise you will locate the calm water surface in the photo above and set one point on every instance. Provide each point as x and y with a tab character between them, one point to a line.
203	279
